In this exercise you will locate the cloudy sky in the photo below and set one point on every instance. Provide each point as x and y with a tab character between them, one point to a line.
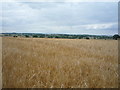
99	18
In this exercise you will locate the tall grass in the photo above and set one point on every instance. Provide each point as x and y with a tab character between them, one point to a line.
59	63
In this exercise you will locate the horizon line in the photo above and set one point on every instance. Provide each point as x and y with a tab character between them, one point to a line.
56	33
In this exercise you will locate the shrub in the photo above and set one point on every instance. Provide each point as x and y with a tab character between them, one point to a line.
35	36
14	36
26	35
87	38
116	36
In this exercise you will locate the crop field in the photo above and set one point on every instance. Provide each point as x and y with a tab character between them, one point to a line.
59	63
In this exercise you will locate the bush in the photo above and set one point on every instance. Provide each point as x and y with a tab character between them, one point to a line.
35	36
14	36
26	35
116	36
87	38
56	36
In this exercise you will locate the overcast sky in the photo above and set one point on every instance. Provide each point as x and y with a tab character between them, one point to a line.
99	18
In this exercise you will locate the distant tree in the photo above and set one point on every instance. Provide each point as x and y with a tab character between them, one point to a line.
41	36
14	36
26	35
95	38
56	36
87	38
50	36
116	36
6	35
35	36
79	38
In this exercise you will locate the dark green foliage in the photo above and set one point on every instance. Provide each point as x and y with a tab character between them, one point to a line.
87	38
15	36
63	36
50	37
57	37
116	36
35	36
41	36
26	35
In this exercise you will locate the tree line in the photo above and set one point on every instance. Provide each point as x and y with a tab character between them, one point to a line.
66	36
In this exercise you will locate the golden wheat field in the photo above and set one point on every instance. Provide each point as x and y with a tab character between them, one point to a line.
59	63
